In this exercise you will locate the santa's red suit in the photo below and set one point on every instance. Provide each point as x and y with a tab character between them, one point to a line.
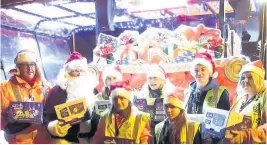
71	88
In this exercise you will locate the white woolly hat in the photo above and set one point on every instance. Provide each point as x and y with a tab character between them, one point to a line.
112	71
75	61
122	89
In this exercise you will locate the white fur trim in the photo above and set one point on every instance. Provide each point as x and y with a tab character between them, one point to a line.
251	68
122	93
203	62
26	57
215	75
61	79
110	71
52	127
156	74
76	64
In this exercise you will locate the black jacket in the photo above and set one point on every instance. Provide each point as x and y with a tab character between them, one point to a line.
223	103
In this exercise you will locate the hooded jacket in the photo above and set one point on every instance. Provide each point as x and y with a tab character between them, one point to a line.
197	97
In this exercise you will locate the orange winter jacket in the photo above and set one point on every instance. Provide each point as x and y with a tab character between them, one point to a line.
34	133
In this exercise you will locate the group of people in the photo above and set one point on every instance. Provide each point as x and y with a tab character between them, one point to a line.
123	122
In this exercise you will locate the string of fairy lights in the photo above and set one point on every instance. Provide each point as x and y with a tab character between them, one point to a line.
133	23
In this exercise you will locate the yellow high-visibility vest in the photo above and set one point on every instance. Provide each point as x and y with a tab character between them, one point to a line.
129	131
254	109
211	99
187	135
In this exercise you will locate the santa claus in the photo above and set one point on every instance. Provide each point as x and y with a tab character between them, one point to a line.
74	82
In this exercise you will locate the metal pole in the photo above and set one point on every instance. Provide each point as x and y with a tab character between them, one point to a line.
73	42
221	22
263	30
40	54
97	29
221	17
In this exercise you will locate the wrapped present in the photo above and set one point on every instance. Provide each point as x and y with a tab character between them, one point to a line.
27	112
219	123
108	39
152	106
101	106
71	112
236	122
159	110
215	122
128	37
141	104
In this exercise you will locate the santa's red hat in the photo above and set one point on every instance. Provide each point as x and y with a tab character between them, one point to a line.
114	71
156	71
173	99
255	67
204	59
75	61
121	89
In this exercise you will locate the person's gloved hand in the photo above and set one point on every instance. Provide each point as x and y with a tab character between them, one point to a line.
57	128
239	136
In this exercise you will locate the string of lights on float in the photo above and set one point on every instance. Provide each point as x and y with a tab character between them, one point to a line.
159	19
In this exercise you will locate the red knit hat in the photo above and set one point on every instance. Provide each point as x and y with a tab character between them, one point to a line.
255	67
76	61
204	59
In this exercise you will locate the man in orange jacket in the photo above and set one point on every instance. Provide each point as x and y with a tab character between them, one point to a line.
26	85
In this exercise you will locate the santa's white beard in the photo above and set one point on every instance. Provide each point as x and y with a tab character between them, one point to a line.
81	87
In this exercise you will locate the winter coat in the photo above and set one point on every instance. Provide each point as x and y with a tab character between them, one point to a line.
16	89
197	98
197	101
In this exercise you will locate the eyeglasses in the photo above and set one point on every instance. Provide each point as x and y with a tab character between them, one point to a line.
30	65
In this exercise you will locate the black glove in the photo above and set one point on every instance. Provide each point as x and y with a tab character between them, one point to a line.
15	127
94	123
94	120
